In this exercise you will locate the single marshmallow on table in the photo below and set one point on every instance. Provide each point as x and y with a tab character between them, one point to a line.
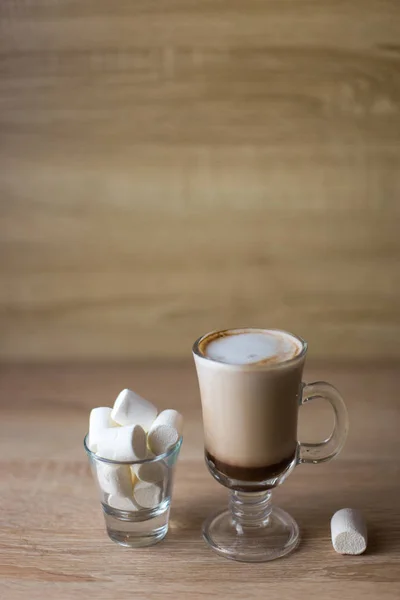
146	495
131	409
125	444
99	420
121	503
114	479
165	431
151	472
349	531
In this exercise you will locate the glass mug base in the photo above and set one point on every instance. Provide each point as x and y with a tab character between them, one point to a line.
273	539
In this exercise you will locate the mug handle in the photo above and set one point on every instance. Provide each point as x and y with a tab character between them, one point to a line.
329	448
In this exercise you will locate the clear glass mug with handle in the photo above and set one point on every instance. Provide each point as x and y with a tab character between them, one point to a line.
250	405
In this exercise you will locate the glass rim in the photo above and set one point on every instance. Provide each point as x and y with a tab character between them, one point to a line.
142	461
258	365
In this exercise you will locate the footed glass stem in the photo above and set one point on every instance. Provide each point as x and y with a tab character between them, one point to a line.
252	529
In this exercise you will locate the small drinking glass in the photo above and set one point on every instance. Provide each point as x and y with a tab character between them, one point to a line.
129	523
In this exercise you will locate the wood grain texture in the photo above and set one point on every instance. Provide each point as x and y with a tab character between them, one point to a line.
171	167
52	538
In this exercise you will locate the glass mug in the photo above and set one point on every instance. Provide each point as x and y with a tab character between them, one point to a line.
250	413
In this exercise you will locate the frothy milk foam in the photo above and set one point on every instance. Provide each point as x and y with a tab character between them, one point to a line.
250	385
240	347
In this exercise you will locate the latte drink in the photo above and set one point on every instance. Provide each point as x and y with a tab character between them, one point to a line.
250	387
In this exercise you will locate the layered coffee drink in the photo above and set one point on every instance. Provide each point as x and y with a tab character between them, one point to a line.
250	386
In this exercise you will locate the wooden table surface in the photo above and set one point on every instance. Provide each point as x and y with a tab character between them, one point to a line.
52	538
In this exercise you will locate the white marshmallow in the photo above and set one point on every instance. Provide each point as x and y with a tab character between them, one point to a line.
131	409
133	476
122	503
99	420
348	531
165	431
152	472
147	495
123	443
114	479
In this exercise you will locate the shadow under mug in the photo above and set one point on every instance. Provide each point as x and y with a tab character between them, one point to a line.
252	529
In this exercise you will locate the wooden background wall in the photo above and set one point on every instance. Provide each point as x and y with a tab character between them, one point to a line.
172	166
